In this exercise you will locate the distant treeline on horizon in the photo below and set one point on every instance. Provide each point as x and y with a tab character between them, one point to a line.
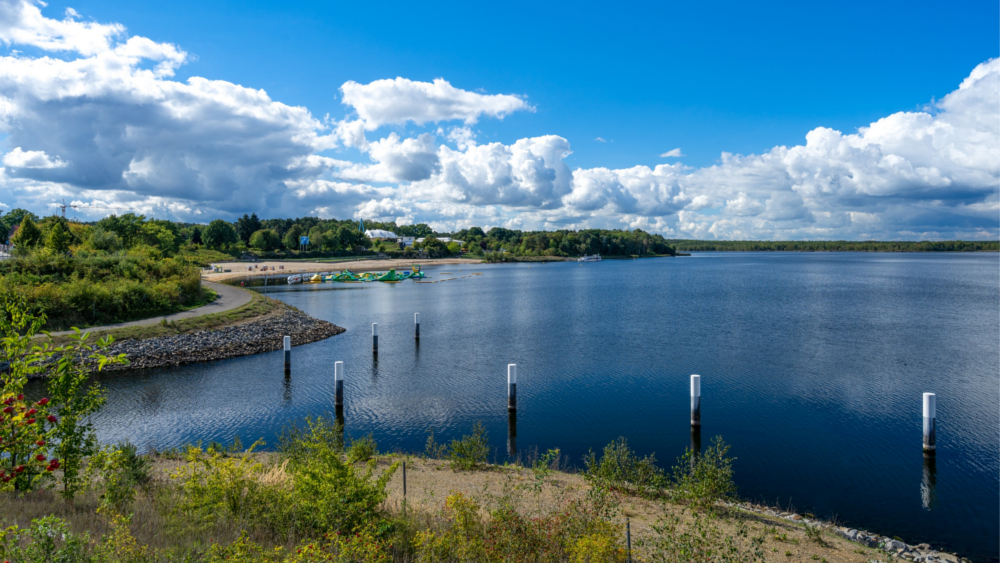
833	246
276	235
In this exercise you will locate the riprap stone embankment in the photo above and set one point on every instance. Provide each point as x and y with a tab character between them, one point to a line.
264	334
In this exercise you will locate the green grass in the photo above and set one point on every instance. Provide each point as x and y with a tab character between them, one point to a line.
258	306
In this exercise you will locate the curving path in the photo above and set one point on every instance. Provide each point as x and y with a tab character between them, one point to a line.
230	297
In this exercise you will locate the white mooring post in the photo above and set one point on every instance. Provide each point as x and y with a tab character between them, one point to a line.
416	324
930	422
338	381
695	400
375	338
511	387
288	353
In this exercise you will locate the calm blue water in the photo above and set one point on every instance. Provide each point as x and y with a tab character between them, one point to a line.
812	368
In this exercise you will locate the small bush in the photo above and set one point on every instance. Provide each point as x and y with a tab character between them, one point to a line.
293	438
433	449
121	470
362	450
471	451
48	539
619	468
705	479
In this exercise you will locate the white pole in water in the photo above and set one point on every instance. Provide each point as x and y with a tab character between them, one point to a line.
511	387
416	323
375	338
288	353
695	400
930	422
338	379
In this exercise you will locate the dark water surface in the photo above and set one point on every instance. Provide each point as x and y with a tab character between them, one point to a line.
812	368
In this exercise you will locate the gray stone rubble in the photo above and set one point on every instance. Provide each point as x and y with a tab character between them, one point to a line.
253	337
890	546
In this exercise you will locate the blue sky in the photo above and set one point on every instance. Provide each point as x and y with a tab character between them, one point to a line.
646	78
707	77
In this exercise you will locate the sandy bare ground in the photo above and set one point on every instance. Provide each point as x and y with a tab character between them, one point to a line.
429	482
239	269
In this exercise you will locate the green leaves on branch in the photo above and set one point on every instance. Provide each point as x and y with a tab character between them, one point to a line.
53	432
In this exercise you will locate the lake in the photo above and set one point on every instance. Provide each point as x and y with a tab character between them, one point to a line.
812	365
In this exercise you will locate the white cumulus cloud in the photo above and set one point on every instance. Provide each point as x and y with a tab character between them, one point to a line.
18	158
399	101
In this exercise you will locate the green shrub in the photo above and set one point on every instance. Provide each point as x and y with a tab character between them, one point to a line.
101	288
470	451
705	479
306	491
293	438
362	450
619	468
121	470
48	539
433	449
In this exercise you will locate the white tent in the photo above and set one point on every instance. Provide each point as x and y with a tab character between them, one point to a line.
380	234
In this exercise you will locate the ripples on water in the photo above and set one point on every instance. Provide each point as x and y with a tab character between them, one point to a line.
813	367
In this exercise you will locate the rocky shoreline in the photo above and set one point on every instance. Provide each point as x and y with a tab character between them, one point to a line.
893	548
264	334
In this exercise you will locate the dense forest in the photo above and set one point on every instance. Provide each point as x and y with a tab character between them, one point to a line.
834	246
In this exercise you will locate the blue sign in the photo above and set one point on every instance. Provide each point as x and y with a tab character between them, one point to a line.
303	240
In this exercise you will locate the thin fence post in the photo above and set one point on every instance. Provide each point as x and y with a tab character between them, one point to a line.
628	538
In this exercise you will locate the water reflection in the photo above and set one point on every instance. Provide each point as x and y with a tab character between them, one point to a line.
928	487
511	433
286	389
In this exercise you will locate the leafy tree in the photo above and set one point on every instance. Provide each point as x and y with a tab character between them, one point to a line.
220	234
59	239
75	399
156	235
291	239
28	234
128	227
104	240
246	226
265	240
196	235
12	219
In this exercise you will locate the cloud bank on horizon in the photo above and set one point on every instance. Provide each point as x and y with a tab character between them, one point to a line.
95	116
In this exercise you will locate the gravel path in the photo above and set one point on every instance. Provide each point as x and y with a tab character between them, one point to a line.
230	297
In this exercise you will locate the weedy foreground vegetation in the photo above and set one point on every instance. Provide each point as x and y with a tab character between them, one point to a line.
322	497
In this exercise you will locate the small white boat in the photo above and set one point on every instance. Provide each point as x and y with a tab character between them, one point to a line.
587	258
294	279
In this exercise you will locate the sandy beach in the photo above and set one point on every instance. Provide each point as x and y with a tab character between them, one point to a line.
239	269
